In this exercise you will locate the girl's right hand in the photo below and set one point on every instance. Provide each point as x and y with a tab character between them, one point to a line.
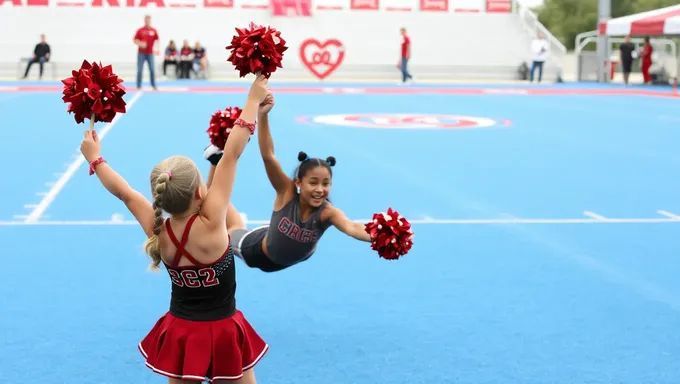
90	147
267	104
259	89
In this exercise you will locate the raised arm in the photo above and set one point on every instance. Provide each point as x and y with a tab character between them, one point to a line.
345	225
211	176
214	208
135	202
277	177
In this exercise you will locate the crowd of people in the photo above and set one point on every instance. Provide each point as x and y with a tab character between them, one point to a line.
180	63
189	61
185	61
628	53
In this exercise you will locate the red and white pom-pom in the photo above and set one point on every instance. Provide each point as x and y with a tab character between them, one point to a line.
221	124
391	234
257	49
94	92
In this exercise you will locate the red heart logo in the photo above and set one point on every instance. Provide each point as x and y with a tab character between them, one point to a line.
322	59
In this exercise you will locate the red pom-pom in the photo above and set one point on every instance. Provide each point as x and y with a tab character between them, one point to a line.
221	124
257	49
391	234
94	90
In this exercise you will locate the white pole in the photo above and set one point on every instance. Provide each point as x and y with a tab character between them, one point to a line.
604	14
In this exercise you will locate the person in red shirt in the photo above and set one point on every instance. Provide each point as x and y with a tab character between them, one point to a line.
405	56
186	55
146	39
646	64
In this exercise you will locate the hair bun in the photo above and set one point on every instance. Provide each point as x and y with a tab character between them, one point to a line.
302	156
331	161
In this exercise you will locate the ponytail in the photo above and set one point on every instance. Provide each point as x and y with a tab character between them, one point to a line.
152	246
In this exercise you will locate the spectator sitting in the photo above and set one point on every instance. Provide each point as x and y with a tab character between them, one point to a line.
186	57
41	55
171	57
200	61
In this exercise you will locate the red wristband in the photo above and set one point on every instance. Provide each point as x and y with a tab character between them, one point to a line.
95	163
245	124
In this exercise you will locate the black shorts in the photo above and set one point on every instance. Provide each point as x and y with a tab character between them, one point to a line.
626	66
247	245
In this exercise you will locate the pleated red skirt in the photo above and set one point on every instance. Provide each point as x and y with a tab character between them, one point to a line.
202	350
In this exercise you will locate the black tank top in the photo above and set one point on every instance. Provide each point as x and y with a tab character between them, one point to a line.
291	240
201	292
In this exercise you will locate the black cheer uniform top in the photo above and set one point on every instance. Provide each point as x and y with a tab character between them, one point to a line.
201	292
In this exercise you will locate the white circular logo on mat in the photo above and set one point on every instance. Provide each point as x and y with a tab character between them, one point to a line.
405	121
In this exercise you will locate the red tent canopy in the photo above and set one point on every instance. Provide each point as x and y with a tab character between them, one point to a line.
660	22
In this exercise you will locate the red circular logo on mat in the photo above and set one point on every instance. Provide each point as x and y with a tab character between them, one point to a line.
404	121
322	58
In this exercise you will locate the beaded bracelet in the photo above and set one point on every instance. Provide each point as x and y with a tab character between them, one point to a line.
95	163
243	123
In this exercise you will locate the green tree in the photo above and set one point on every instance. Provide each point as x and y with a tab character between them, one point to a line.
648	5
567	18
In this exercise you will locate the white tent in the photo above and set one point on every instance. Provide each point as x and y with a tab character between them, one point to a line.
660	22
656	23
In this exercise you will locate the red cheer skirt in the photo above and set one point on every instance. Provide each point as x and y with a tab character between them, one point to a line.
200	350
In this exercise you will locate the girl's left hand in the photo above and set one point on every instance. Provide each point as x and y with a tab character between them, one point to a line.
268	103
90	147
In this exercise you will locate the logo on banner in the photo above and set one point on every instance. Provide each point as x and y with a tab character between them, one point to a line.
405	121
322	58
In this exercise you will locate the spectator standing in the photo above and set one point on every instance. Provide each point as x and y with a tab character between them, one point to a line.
405	56
626	56
146	39
540	49
41	55
646	63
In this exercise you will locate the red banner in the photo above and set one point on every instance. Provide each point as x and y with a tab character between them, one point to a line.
291	7
28	3
125	3
499	6
434	5
365	5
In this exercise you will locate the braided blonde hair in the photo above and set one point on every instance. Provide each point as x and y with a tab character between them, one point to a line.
173	184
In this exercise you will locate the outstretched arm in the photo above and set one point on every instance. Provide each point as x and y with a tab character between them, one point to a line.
277	177
216	202
347	226
135	202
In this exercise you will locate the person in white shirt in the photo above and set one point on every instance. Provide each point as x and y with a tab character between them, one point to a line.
540	51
